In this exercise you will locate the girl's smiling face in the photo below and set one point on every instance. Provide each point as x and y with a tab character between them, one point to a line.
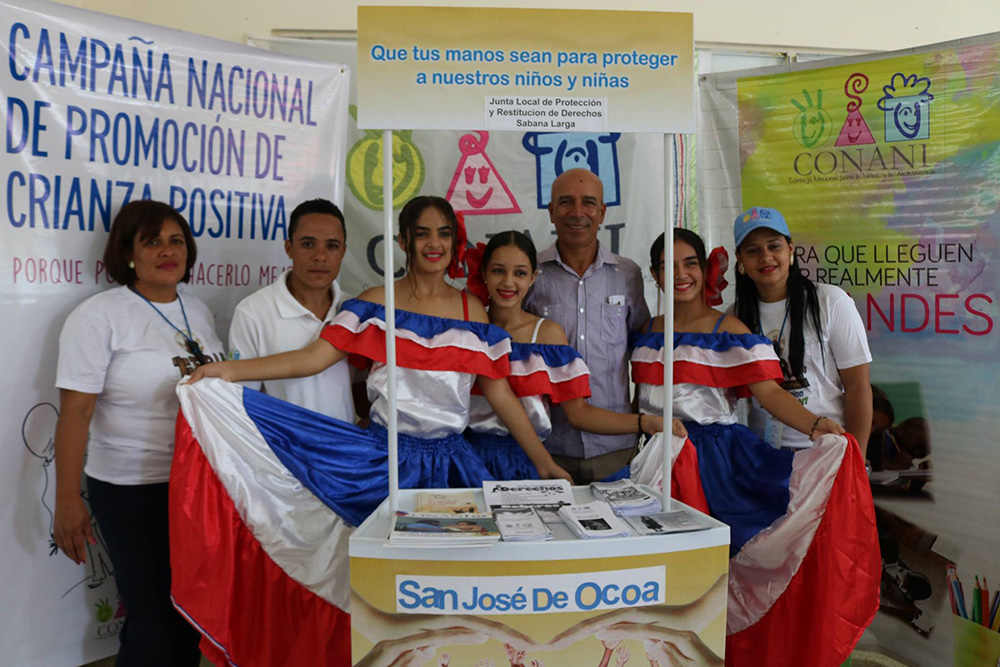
432	242
508	276
766	256
689	277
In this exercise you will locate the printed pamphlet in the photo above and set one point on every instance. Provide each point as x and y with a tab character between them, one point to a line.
662	523
447	502
545	495
425	528
593	520
625	498
521	524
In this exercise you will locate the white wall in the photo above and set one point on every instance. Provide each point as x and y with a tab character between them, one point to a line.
844	25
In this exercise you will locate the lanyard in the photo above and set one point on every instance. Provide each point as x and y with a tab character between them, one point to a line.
189	341
776	343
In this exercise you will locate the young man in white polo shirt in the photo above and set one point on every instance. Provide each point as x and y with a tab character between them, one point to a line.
289	314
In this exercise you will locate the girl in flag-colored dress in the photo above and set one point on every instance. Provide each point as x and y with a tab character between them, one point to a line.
796	520
445	345
268	490
544	368
716	361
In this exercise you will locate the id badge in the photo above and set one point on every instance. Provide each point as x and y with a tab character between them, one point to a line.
772	431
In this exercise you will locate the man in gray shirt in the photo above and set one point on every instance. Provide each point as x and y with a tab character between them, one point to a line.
596	296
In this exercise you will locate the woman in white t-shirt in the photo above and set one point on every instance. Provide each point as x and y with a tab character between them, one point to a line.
816	330
121	353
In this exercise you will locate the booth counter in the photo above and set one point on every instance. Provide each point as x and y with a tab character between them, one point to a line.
558	600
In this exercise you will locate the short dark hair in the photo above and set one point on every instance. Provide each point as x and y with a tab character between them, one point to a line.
315	206
514	238
143	218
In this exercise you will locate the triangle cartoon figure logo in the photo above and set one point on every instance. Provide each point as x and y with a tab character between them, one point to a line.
855	131
477	187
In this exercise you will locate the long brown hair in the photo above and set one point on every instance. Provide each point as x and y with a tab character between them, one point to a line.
410	215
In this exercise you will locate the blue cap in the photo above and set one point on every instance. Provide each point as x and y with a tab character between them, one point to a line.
758	217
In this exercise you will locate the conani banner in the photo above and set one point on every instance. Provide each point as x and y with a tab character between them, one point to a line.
468	68
888	173
98	112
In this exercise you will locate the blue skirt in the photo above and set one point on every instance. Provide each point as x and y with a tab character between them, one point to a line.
502	456
505	459
745	479
434	463
347	467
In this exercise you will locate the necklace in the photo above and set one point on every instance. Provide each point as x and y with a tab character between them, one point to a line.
189	342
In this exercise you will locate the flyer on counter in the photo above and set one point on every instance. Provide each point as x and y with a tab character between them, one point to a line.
425	528
625	498
662	523
527	492
593	520
447	502
521	524
546	496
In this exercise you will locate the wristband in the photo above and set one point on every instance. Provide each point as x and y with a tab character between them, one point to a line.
813	429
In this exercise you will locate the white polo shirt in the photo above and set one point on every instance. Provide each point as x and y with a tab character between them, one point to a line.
271	321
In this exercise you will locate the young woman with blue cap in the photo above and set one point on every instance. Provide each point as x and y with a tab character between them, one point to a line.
816	330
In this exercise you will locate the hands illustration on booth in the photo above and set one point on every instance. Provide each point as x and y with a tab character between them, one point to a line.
692	617
669	634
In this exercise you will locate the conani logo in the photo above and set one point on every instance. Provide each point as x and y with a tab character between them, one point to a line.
905	109
614	589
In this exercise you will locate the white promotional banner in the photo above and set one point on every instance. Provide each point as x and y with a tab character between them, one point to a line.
635	74
502	180
100	111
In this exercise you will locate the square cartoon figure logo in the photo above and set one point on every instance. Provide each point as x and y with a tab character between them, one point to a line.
906	105
556	152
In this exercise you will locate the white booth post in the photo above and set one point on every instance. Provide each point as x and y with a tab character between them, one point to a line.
390	320
668	317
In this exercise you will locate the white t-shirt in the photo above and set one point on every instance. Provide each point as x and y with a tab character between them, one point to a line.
844	344
116	346
270	321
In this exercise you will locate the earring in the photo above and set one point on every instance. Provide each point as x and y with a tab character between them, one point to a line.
791	262
131	264
739	269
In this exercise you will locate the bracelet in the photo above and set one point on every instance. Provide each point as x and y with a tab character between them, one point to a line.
813	429
640	423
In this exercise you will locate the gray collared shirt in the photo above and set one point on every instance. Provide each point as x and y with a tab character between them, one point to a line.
597	312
